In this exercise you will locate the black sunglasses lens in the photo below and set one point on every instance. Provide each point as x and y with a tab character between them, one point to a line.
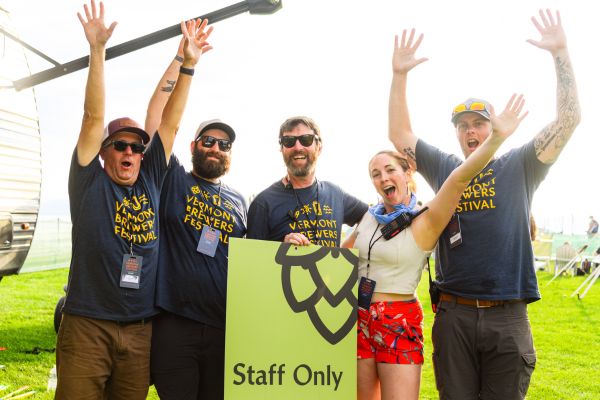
224	145
306	140
288	141
137	148
208	141
119	146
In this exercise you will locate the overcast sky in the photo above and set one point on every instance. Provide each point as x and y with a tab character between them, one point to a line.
330	60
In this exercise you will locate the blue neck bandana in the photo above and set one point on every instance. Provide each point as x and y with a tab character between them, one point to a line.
378	210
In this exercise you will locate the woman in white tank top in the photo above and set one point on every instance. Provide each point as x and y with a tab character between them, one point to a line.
390	340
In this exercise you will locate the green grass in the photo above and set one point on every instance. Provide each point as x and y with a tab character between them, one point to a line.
566	334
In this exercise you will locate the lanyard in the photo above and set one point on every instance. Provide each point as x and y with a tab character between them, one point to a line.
299	207
371	244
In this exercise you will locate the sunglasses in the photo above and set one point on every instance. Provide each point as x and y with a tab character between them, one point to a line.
120	145
290	141
475	106
209	141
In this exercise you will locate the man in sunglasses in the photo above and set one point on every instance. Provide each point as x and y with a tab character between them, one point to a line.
483	347
199	214
103	348
299	209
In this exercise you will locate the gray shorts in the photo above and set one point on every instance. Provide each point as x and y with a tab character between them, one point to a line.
482	353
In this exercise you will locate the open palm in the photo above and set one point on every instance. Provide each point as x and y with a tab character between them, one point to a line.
550	27
95	30
195	43
403	59
507	122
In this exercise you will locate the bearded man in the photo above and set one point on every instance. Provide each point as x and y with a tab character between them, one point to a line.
198	216
298	208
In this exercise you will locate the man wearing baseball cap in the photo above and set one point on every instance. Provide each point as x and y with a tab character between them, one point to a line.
199	214
103	345
482	342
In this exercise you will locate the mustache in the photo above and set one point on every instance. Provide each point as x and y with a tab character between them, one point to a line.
299	153
214	154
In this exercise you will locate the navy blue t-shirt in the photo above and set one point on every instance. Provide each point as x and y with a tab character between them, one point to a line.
495	259
107	219
192	284
318	212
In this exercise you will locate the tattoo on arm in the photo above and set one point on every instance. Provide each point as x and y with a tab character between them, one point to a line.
169	86
559	131
409	152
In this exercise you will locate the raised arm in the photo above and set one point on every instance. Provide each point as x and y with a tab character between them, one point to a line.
552	139
195	44
92	124
403	60
163	91
428	227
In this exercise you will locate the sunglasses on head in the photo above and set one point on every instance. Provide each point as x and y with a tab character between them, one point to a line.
209	141
121	145
475	106
290	141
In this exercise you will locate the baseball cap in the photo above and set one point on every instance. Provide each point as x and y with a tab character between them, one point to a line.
215	124
125	124
477	106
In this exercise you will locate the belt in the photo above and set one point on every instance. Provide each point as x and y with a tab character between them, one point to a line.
474	302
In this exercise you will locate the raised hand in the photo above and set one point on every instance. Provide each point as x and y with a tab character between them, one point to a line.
507	122
553	36
403	59
195	40
96	32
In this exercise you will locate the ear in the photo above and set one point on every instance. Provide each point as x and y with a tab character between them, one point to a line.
192	146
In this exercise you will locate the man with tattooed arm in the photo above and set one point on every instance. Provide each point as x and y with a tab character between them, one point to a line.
483	347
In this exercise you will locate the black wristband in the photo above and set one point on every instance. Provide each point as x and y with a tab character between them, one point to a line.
187	71
179	58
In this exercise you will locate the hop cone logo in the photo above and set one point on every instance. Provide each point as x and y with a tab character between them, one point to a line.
289	257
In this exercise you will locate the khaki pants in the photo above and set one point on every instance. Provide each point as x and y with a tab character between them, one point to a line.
97	359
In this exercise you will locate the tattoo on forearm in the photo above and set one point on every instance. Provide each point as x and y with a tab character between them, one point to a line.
557	133
408	151
169	87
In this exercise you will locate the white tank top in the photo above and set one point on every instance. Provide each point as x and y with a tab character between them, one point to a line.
395	265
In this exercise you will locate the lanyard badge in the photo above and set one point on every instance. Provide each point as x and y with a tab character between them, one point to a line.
454	234
131	271
209	240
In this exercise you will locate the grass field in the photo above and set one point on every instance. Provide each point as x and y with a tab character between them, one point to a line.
566	332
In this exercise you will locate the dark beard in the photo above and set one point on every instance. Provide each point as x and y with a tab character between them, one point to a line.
209	169
306	170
